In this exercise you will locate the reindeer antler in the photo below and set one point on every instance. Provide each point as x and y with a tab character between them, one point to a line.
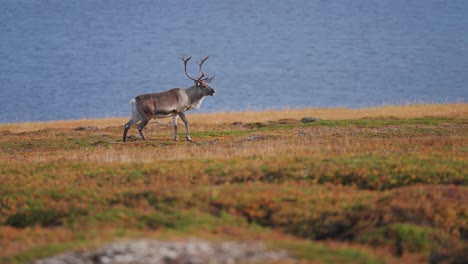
201	73
208	79
185	60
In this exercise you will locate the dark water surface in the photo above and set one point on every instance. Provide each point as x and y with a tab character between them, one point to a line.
85	59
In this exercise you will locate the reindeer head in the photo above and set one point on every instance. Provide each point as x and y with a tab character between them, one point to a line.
201	82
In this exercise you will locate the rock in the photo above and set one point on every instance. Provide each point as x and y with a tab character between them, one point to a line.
193	251
310	119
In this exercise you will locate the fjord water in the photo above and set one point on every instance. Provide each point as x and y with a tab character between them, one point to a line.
87	59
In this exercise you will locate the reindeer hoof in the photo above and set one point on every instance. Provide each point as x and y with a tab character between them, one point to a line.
189	138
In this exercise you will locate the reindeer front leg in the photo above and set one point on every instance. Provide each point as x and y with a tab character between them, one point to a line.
187	133
174	121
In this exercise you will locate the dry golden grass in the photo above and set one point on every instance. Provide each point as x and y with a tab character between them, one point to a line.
406	111
300	141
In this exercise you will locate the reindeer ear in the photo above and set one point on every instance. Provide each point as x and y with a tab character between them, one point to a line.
197	83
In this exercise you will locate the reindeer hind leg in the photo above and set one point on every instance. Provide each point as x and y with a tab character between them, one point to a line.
130	123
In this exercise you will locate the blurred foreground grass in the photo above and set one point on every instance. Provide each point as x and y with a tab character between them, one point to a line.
363	186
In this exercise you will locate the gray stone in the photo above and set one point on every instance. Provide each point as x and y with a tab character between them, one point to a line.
193	251
310	119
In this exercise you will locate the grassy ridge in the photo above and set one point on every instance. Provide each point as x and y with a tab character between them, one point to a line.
338	181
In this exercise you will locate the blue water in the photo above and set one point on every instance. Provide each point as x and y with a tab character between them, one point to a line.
86	59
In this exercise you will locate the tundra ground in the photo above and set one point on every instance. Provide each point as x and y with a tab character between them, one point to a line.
381	185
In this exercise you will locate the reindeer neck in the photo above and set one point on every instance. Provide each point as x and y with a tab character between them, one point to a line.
194	96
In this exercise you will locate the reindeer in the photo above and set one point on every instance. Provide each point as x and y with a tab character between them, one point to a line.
170	103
